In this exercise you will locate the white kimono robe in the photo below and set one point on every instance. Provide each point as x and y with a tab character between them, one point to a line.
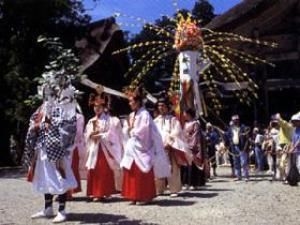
47	178
172	134
79	143
109	141
144	145
118	145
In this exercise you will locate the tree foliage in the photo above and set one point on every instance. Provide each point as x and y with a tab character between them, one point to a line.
203	11
22	58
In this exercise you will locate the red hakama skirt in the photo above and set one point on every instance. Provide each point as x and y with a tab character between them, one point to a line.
75	169
138	186
100	180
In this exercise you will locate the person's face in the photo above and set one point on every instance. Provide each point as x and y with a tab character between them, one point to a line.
162	108
296	123
98	109
186	116
134	105
236	122
274	125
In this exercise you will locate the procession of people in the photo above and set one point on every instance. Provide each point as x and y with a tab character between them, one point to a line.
144	156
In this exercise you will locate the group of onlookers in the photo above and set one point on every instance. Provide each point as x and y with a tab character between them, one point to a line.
275	148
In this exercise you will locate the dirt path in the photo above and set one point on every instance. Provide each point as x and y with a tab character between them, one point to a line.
221	201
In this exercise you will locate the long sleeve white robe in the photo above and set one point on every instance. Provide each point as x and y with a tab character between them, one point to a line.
172	134
144	145
109	141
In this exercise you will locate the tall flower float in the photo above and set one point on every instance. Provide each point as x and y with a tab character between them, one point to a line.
189	45
203	56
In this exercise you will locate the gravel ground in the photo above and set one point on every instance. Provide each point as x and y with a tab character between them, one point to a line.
221	201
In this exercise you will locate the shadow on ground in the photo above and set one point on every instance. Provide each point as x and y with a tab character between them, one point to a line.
215	189
198	194
90	200
12	172
100	218
217	180
172	202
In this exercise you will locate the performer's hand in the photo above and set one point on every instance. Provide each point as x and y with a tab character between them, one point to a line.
95	135
102	135
170	139
131	133
36	127
167	147
47	125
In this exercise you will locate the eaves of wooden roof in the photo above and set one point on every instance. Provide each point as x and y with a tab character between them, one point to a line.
245	12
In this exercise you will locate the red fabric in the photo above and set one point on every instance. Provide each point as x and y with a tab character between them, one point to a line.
30	174
100	180
75	169
180	158
138	186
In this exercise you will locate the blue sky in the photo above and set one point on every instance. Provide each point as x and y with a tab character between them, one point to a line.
146	9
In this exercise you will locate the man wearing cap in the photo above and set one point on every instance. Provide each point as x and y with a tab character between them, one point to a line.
295	150
175	146
212	139
238	135
257	140
273	133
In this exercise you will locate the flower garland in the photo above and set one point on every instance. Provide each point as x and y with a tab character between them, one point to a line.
188	35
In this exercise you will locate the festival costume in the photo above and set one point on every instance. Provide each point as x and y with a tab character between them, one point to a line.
118	144
143	158
176	149
48	147
78	153
103	157
193	175
50	138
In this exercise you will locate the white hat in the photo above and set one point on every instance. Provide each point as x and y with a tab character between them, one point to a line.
208	124
296	117
235	117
